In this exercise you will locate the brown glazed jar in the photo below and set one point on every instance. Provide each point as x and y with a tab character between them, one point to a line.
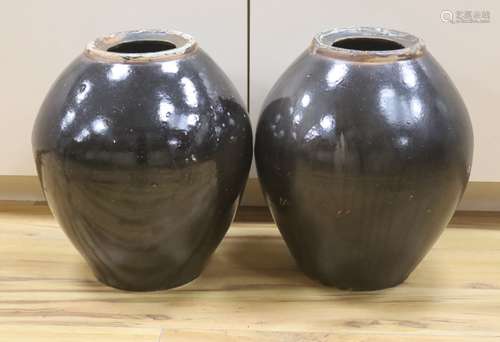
363	150
143	147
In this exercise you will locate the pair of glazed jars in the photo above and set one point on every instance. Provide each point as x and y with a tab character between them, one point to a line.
363	150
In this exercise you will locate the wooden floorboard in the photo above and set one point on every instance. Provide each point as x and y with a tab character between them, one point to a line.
251	290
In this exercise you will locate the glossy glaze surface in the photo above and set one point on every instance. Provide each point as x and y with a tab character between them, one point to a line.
143	163
363	157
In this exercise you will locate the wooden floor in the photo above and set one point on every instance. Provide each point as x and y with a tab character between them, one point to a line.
251	291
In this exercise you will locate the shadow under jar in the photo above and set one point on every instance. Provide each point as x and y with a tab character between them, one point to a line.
143	148
363	151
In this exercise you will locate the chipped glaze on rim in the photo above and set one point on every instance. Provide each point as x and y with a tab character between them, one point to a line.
412	46
98	49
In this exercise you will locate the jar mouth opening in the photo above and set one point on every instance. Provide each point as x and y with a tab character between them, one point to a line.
141	46
367	44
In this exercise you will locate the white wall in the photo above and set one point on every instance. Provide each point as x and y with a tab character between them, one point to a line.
40	37
281	30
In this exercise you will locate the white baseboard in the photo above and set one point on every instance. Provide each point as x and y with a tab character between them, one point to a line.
479	196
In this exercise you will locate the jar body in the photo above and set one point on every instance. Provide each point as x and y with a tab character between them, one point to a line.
363	164
143	164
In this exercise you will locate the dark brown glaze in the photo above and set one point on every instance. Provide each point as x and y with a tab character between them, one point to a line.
363	157
143	164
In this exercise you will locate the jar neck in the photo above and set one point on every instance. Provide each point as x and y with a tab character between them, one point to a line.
367	44
142	46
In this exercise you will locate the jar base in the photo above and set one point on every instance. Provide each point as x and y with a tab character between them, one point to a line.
181	281
357	286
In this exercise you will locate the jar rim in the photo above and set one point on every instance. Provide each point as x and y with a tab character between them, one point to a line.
181	45
408	46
